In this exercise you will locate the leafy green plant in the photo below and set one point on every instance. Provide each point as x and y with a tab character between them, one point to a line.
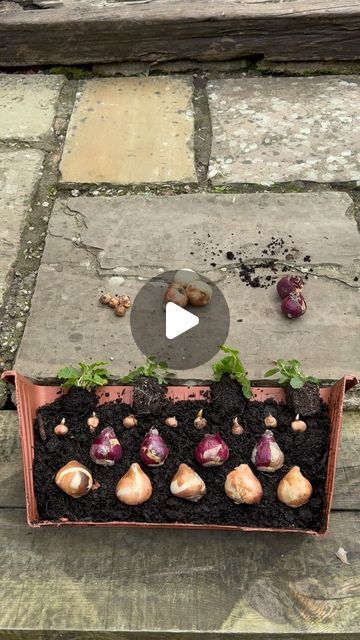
232	365
151	369
290	373
87	376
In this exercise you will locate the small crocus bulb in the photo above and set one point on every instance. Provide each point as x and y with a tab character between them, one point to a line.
129	421
74	479
270	421
171	422
200	422
237	429
134	487
267	455
125	301
61	429
187	484
114	301
120	311
294	489
298	425
242	486
93	421
105	298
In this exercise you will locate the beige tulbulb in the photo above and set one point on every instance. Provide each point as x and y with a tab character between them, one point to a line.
134	487
187	484
294	490
242	486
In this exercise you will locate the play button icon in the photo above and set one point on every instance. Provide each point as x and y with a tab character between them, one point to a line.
178	321
183	338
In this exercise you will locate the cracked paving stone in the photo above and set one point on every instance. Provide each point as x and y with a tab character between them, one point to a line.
131	130
19	172
83	257
268	130
27	105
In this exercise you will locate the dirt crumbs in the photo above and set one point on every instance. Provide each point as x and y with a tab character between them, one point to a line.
308	450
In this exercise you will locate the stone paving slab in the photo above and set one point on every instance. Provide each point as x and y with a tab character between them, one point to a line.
94	244
268	130
131	130
27	105
19	172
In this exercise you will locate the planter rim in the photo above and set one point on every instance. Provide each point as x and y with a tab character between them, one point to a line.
31	396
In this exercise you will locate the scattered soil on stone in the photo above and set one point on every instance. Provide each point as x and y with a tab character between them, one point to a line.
309	450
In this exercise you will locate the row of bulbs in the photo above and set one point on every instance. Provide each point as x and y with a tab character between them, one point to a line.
241	485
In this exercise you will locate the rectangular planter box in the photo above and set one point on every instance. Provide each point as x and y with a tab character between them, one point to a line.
30	397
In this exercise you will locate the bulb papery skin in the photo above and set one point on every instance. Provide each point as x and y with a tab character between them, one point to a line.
199	293
106	448
134	487
237	429
74	479
293	306
270	421
200	422
212	451
93	421
129	421
185	276
187	484
171	421
294	489
242	486
267	455
288	284
298	425
176	293
153	449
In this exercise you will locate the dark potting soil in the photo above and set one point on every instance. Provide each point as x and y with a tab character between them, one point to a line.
304	401
309	450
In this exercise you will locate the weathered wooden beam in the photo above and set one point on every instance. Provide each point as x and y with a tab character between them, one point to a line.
178	585
181	29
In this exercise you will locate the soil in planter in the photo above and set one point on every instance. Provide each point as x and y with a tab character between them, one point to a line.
308	450
304	401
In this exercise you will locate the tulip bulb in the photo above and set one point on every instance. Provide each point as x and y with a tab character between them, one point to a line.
171	422
93	421
134	487
298	425
267	455
199	293
185	276
129	422
153	449
187	484
270	421
242	486
114	301
74	479
294	490
237	429
212	451
106	448
200	422
61	429
176	293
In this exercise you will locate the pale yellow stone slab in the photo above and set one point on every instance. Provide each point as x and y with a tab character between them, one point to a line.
131	130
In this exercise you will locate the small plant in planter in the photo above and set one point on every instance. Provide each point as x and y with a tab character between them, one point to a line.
82	383
301	391
149	382
232	387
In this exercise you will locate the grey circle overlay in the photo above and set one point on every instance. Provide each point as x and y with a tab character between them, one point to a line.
190	349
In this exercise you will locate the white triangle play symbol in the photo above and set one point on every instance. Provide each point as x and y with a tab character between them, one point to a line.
178	320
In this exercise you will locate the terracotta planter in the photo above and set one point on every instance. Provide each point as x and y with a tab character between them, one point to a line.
31	396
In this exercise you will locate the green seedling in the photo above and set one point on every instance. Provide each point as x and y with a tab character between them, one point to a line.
151	369
290	373
231	364
86	376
